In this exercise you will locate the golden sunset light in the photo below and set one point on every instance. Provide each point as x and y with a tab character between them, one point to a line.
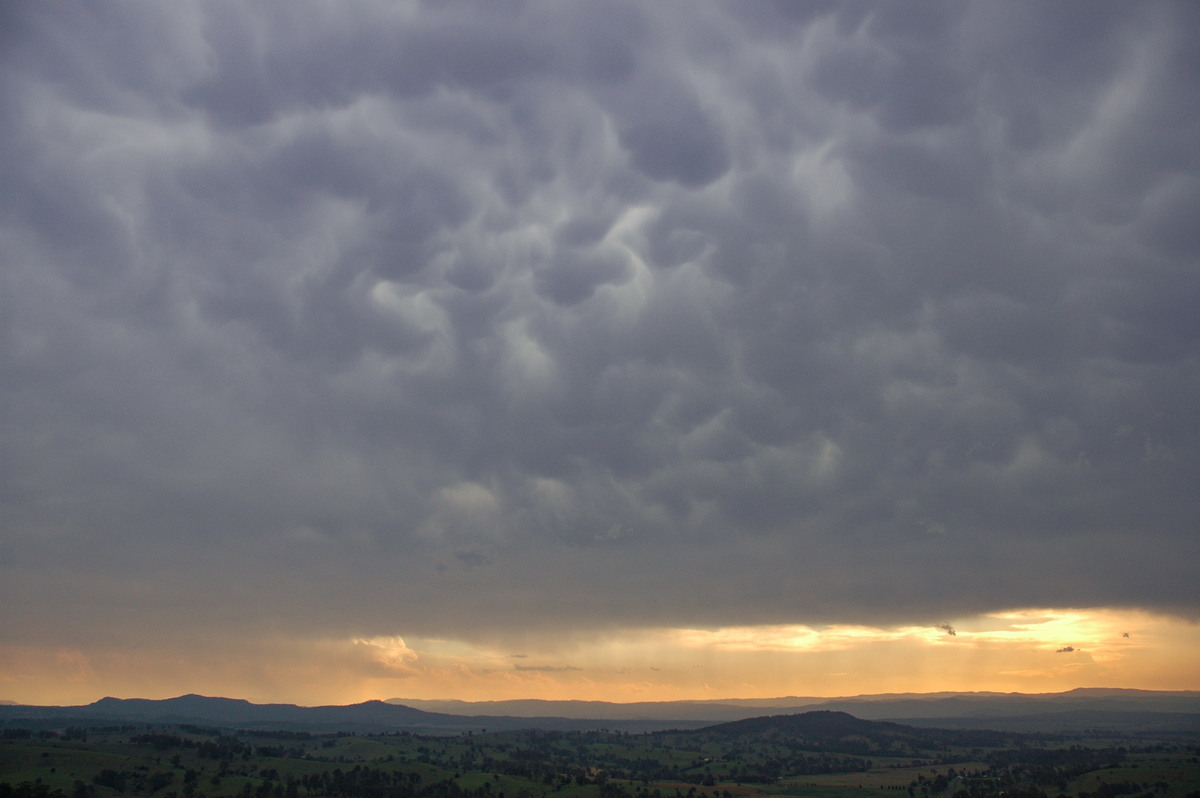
1032	651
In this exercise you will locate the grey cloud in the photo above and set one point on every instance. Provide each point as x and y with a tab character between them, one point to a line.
675	140
573	276
420	302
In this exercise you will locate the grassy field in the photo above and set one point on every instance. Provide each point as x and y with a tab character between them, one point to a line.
198	763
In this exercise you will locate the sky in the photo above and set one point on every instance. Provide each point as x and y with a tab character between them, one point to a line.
600	350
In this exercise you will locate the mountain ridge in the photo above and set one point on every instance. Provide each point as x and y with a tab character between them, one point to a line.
1078	709
372	716
880	706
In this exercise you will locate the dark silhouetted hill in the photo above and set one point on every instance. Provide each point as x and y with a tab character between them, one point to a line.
1074	711
236	713
830	730
1083	709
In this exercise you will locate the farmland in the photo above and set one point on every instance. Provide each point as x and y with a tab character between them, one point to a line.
812	754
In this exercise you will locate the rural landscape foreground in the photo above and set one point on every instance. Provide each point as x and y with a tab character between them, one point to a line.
1093	743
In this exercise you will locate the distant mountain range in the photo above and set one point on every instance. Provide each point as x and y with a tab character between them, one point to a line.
1076	710
370	716
912	708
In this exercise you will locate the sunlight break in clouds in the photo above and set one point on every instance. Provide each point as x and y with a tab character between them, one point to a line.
1009	651
1018	650
391	652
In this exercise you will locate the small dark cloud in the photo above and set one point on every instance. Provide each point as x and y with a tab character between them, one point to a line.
573	276
471	559
669	134
684	147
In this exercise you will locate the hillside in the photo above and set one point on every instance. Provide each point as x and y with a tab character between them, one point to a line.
823	752
1080	709
367	717
1077	710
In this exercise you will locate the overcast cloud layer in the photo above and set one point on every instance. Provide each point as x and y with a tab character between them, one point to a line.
454	319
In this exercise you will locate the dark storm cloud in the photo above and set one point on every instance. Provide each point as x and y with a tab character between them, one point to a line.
358	315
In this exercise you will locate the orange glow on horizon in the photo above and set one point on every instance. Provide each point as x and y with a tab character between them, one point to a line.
1027	650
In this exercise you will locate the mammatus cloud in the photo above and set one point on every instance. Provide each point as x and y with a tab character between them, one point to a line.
456	322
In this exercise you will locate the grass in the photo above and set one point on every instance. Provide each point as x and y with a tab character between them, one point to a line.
1171	772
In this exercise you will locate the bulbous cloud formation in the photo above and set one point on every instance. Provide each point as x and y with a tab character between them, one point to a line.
403	318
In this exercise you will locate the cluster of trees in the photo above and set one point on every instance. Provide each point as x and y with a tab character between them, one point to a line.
579	756
69	733
28	789
611	764
1053	765
1024	772
221	747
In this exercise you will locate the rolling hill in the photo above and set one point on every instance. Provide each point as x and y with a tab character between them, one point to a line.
1077	710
